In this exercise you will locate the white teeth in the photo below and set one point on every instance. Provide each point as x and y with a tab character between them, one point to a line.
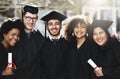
79	33
14	41
99	40
54	30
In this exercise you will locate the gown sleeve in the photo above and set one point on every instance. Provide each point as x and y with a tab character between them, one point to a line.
114	71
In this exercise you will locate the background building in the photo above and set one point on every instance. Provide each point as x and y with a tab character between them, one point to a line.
97	9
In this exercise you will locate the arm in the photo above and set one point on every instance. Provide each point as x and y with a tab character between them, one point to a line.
113	70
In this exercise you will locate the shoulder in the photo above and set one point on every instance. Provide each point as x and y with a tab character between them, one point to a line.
114	42
1	45
37	33
64	41
2	48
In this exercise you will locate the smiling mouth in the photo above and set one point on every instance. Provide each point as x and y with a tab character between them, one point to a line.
14	41
99	41
54	29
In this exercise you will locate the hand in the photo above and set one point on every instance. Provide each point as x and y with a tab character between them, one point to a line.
8	71
116	37
98	72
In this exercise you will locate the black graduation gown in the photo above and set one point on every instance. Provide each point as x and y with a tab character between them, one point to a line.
1	36
4	62
77	66
109	59
53	59
27	55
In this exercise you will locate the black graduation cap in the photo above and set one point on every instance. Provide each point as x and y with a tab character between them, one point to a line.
31	9
54	15
105	24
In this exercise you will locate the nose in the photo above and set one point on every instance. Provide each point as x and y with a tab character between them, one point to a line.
54	25
79	28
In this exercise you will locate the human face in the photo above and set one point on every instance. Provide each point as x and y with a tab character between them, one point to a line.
80	31
11	38
54	27
99	36
29	20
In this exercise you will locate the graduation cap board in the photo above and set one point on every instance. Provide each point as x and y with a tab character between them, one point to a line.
31	9
105	24
53	15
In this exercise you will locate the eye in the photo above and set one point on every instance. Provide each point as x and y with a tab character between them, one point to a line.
50	24
57	23
28	18
94	34
101	32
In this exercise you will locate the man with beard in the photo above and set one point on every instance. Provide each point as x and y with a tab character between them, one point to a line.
53	50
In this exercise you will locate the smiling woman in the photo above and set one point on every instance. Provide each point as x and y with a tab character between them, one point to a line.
10	32
80	50
107	49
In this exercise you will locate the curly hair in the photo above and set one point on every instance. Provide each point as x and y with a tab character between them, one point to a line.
71	25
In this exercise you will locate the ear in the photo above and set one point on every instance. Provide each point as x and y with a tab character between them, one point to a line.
37	16
46	27
4	35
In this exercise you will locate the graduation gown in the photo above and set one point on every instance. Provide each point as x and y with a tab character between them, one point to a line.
53	59
4	62
109	59
27	55
77	66
1	36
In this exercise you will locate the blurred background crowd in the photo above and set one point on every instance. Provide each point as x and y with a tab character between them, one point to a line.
96	9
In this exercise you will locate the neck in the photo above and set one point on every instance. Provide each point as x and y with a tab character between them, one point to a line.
80	42
5	44
28	31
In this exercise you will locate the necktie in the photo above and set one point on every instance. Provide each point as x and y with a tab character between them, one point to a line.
55	41
28	35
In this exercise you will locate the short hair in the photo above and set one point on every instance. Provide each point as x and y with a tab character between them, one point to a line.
31	9
7	26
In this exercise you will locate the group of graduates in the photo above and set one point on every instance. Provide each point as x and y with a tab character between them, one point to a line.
58	56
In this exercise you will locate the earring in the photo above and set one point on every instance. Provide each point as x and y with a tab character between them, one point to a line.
87	34
72	34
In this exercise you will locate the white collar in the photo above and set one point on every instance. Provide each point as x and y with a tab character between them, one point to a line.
34	29
50	37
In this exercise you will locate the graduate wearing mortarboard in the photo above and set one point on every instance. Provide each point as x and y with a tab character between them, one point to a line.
27	50
108	58
53	50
